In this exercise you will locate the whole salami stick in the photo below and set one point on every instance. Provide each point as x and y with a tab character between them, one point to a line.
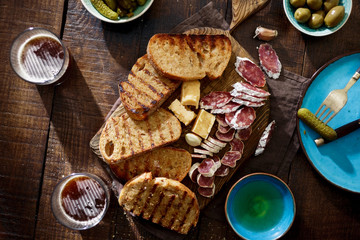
341	132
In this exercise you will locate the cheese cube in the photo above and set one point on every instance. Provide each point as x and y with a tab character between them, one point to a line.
203	124
190	93
183	114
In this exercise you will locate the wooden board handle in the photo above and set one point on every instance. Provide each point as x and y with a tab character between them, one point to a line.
241	9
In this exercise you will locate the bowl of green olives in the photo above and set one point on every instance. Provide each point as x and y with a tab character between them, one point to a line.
117	11
317	17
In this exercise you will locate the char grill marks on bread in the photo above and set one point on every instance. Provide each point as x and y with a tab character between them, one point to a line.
123	137
189	57
163	201
145	90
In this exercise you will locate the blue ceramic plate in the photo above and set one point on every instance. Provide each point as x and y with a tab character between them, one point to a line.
323	30
337	161
260	206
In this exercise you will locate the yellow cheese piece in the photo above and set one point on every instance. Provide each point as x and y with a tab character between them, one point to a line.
190	93
182	113
203	124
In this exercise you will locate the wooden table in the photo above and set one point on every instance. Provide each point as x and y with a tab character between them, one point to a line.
45	130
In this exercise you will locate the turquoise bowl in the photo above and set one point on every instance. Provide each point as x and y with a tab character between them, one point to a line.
260	206
140	10
323	30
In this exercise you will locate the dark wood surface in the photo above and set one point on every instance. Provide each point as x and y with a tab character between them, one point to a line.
45	131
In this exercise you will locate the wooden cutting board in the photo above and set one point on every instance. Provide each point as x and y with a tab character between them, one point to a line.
229	77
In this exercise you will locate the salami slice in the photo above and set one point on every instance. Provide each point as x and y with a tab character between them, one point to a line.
206	192
225	137
249	89
223	129
230	107
220	118
206	182
215	100
222	171
248	103
229	117
269	60
213	145
202	151
229	159
217	142
237	145
217	161
198	156
207	167
210	149
243	118
265	138
250	72
247	97
194	172
243	134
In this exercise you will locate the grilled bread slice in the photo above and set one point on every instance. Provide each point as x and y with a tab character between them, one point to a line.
189	57
123	137
145	90
166	162
163	201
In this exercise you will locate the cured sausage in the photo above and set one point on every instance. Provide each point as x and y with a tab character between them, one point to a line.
244	87
217	142
194	172
223	129
243	134
243	118
206	192
229	159
249	71
269	60
248	103
230	107
206	182
217	162
215	99
225	137
222	171
220	118
207	167
247	97
265	138
237	145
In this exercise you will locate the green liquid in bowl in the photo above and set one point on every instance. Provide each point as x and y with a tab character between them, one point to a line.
258	206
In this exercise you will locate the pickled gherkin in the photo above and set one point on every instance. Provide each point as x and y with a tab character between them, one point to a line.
104	9
318	126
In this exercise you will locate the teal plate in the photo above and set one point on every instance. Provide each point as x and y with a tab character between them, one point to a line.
269	197
323	30
337	161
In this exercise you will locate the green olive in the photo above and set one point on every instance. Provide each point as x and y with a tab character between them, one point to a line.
302	15
329	4
314	4
297	3
321	12
316	20
334	16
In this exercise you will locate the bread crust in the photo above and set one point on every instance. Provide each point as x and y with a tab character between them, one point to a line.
145	89
169	162
189	57
163	201
123	138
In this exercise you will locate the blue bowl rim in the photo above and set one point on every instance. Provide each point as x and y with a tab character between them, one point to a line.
261	174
